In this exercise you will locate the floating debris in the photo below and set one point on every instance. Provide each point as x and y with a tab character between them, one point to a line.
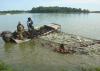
72	43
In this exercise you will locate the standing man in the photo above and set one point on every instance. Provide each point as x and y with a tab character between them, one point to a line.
30	24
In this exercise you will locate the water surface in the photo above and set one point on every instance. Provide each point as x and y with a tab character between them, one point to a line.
79	24
33	56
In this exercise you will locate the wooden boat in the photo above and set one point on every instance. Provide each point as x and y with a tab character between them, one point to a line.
8	36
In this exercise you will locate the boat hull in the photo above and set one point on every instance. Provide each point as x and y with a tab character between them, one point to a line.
43	30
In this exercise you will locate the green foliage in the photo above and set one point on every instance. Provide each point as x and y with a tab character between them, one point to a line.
95	11
54	9
4	67
13	11
89	69
57	10
97	69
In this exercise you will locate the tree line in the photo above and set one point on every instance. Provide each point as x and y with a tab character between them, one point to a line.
13	11
58	10
55	9
95	11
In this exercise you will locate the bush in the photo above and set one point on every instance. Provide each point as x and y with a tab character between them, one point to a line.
4	67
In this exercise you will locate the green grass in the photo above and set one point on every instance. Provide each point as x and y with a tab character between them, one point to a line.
4	67
90	69
97	69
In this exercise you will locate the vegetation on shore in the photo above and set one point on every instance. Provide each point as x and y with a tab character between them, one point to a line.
4	67
57	10
13	11
95	12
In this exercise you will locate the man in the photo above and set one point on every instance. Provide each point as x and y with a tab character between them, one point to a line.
30	24
20	31
61	48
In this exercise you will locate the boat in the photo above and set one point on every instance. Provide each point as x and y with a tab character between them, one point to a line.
10	37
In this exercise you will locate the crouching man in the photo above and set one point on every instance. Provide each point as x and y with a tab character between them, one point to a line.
20	31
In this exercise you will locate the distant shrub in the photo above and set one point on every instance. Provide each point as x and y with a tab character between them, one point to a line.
97	69
4	67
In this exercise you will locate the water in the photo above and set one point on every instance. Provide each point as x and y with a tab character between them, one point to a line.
33	55
80	24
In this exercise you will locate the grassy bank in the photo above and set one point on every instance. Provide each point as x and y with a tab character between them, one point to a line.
4	67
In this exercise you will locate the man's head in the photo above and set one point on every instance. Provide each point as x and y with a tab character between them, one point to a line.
29	18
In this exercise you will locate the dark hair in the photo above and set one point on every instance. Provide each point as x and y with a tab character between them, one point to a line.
29	18
62	45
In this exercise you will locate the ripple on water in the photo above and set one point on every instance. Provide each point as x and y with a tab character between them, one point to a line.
33	56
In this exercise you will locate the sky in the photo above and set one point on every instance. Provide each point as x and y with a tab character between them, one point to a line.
92	5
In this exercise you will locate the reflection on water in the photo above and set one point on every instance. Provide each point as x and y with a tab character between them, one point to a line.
8	47
33	55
